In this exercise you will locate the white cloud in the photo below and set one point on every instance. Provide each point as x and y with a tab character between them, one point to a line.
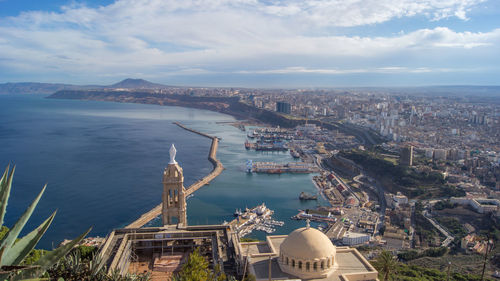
193	37
332	71
362	12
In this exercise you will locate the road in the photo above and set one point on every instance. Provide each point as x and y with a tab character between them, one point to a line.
449	237
376	187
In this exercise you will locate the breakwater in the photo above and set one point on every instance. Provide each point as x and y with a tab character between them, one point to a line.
218	168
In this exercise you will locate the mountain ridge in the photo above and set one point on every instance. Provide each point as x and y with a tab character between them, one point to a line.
138	84
50	88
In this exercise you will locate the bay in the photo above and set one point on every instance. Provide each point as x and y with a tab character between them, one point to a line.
103	163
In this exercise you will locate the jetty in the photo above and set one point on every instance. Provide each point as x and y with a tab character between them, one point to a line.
217	169
257	218
279	168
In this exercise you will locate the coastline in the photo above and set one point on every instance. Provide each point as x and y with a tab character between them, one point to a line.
217	170
226	105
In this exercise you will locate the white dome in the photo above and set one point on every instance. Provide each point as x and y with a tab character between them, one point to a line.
307	253
307	244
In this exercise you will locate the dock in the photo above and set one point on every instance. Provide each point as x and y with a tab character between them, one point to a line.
278	168
257	218
217	169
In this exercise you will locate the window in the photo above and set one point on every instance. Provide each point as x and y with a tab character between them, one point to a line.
300	265
308	267
315	266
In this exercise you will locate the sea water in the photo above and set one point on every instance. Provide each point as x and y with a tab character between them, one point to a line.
103	164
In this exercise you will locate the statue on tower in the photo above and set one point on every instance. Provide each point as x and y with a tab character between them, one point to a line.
173	151
174	193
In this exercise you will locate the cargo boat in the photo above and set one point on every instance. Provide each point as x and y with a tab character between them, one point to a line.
307	196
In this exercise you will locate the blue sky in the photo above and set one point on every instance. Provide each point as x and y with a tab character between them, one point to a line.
252	43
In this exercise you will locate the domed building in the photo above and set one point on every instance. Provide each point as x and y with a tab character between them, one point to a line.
304	254
307	253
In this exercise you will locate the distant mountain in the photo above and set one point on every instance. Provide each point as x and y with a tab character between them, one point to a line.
39	88
50	88
130	83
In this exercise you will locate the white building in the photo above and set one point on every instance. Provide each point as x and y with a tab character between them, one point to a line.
304	254
354	238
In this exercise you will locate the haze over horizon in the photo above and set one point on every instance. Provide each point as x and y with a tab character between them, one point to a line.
252	43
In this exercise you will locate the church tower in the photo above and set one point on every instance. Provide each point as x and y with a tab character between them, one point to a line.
173	198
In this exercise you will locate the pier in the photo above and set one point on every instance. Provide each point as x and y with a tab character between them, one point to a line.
218	168
278	168
258	218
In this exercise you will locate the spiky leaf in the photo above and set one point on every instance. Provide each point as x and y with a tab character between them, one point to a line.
5	184
51	258
23	247
12	235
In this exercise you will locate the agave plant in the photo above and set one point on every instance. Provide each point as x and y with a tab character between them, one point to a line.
13	250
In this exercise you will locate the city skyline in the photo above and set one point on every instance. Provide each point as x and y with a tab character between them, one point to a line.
252	43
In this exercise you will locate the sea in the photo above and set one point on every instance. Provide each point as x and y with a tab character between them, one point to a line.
103	163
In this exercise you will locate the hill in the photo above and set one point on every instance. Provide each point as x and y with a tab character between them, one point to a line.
50	88
131	83
39	88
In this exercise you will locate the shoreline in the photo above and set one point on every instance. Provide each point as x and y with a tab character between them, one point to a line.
225	105
217	170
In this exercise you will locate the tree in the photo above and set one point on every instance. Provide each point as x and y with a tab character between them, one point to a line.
196	268
385	264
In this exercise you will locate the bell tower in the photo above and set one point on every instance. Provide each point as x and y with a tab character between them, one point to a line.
173	198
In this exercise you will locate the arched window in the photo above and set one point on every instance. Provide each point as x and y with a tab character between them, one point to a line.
293	263
308	267
300	264
315	266
328	264
322	265
286	260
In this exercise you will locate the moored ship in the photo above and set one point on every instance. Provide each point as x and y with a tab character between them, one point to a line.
306	196
294	154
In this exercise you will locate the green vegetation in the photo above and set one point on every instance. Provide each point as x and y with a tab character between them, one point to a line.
394	161
453	225
249	239
389	269
34	256
385	265
431	252
196	268
427	233
444	204
84	264
405	272
451	191
14	251
395	177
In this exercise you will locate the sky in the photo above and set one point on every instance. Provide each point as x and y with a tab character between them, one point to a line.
252	43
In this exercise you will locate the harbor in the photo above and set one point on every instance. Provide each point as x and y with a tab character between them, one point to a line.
315	216
267	145
258	218
279	168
